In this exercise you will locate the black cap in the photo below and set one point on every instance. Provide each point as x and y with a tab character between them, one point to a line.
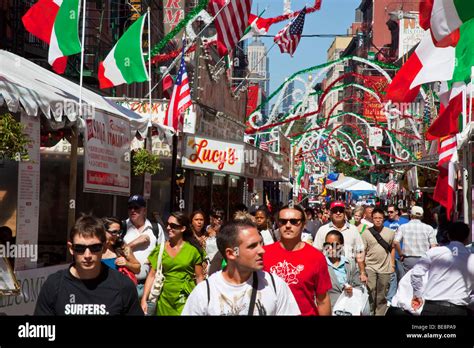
136	200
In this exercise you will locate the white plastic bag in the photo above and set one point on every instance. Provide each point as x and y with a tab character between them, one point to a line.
352	305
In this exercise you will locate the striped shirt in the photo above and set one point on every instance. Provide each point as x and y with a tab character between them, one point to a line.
417	237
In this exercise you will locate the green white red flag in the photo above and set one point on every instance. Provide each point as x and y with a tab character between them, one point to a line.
125	62
444	17
427	64
55	22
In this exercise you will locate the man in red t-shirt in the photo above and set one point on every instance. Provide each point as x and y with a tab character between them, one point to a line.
303	267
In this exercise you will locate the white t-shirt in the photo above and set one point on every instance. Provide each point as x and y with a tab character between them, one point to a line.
231	299
267	237
142	252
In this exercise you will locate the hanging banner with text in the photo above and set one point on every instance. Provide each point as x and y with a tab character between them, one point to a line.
28	193
107	159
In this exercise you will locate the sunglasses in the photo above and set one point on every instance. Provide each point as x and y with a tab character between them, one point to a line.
134	207
81	248
294	222
174	226
114	232
391	212
337	210
217	217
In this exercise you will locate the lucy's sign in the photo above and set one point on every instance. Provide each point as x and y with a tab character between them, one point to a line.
214	155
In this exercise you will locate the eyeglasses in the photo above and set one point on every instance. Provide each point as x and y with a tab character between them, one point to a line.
174	226
337	210
81	248
114	231
294	222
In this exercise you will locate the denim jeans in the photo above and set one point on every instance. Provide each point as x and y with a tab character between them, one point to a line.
393	286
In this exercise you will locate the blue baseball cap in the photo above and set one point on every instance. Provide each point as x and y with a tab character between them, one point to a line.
136	200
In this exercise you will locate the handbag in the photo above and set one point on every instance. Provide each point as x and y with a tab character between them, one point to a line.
357	304
157	283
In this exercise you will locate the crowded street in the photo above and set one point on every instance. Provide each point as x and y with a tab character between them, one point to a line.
237	158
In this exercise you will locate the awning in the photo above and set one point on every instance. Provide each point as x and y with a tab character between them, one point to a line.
28	86
343	181
361	186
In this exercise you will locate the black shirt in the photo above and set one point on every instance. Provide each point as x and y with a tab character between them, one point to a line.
111	293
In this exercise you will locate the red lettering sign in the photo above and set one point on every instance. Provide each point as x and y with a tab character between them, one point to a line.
218	157
173	4
173	17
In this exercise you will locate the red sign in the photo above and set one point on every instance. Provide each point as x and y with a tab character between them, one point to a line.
373	110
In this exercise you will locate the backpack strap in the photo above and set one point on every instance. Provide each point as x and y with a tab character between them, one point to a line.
380	240
208	292
273	282
156	231
253	297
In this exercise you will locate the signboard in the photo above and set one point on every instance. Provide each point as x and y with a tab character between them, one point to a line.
107	155
31	282
410	33
29	192
375	137
373	109
173	13
214	155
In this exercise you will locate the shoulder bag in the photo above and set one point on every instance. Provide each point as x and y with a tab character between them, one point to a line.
380	240
157	283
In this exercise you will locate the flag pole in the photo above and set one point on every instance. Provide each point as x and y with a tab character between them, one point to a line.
71	218
149	63
178	58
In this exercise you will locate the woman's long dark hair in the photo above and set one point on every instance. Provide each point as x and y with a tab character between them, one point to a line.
188	234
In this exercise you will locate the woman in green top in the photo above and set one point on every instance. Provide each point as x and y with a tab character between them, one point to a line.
182	267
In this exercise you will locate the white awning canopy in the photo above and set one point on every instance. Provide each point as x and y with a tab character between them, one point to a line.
25	85
347	180
360	186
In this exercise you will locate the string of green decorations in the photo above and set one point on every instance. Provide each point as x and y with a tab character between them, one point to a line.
318	67
180	26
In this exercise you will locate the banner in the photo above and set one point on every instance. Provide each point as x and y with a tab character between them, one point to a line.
375	137
107	155
373	110
410	33
29	192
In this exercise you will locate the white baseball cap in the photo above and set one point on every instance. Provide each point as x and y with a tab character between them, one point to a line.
416	211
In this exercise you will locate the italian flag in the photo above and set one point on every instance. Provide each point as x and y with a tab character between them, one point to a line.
444	17
125	63
427	64
449	119
55	22
257	26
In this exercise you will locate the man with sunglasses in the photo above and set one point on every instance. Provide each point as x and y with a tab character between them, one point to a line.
300	265
140	237
394	221
88	287
353	246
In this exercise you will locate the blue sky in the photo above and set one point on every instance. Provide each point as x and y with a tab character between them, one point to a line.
334	17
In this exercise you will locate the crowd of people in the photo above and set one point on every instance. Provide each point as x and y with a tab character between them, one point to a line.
336	260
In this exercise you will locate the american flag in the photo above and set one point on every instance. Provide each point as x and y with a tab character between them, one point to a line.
180	99
289	37
230	23
391	186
